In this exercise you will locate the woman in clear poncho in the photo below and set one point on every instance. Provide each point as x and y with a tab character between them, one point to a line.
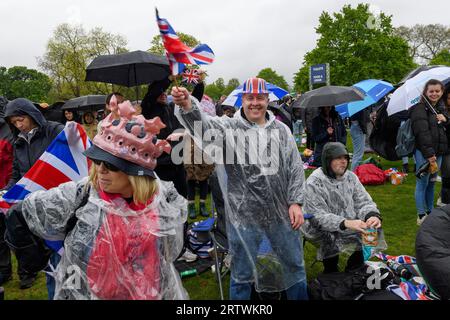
128	224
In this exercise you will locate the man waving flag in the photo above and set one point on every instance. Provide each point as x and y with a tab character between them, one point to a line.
177	52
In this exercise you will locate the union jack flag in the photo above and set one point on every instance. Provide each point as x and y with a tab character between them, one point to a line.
63	161
190	76
177	52
409	291
403	259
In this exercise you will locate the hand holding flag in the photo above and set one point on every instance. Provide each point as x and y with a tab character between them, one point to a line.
177	52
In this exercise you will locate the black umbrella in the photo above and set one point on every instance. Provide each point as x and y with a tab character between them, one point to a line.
54	112
129	69
416	72
328	96
92	102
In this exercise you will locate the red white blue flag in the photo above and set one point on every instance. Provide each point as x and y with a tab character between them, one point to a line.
190	76
178	53
63	161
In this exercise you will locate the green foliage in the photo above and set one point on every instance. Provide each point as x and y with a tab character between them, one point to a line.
68	53
218	88
158	47
21	82
233	83
271	76
357	47
442	57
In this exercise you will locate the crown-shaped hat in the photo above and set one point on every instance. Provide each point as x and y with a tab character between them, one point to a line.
131	137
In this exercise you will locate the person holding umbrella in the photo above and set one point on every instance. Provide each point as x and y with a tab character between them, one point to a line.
327	127
429	123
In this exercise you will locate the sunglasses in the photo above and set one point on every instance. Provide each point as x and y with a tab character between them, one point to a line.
107	165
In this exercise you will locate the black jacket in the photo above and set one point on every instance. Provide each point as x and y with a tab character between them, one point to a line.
152	109
431	137
321	136
26	154
363	118
433	251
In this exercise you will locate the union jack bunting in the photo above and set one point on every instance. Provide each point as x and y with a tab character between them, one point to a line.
408	291
403	259
190	76
63	161
177	52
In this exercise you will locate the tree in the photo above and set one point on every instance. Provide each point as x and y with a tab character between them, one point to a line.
68	53
215	89
158	47
21	82
356	48
425	41
442	57
271	76
3	80
233	83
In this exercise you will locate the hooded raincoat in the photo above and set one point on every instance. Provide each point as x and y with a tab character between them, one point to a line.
332	200
115	251
27	152
260	173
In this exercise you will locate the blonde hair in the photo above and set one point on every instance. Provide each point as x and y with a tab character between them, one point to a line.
144	187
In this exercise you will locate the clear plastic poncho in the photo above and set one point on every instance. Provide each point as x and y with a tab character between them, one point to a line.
331	201
113	252
260	173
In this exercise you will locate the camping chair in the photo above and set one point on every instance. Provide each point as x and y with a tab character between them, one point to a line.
219	250
218	233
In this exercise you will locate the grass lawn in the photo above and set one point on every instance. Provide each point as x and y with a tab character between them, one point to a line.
396	204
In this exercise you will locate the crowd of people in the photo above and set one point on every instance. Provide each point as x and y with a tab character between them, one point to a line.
128	219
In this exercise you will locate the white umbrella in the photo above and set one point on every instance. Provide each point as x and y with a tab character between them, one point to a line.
409	94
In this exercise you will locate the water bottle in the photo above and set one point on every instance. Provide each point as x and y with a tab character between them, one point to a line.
188	273
399	269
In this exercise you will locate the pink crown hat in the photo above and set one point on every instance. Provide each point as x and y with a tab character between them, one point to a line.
132	138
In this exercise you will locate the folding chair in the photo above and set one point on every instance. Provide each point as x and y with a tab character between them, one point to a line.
218	233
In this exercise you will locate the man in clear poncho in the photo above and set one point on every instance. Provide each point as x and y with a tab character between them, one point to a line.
343	210
122	227
261	176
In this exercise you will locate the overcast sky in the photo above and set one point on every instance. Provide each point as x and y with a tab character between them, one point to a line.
246	35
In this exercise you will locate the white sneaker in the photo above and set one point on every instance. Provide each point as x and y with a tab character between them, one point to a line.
188	256
421	220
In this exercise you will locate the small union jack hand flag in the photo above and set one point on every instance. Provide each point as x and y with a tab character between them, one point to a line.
190	76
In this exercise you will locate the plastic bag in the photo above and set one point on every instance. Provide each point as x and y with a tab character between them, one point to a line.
373	242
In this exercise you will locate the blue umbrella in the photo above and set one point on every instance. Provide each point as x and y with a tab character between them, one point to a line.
235	97
373	89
